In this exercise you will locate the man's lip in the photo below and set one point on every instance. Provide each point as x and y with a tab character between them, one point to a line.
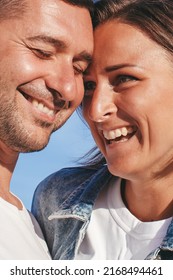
55	105
31	97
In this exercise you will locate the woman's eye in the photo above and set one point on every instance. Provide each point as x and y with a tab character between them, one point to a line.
89	87
121	79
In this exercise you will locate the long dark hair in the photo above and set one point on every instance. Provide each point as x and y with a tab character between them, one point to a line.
154	17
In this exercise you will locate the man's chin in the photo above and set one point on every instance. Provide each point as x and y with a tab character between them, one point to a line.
29	147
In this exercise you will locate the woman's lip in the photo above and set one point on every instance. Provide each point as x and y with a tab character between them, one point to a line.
121	139
119	132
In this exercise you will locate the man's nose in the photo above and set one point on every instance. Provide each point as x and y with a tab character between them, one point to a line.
103	105
61	81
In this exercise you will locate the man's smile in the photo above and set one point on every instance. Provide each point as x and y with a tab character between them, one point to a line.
42	106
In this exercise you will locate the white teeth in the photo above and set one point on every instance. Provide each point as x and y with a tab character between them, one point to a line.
42	108
35	103
45	110
117	133
124	131
113	134
51	113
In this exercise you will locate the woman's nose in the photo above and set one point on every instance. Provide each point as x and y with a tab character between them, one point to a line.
102	105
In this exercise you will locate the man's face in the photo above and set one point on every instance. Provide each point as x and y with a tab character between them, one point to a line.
42	58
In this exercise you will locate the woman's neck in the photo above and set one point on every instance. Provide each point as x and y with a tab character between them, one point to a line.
149	201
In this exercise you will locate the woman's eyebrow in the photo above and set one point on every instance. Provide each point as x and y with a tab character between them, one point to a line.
119	66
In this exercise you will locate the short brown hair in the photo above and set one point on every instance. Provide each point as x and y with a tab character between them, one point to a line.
12	8
17	8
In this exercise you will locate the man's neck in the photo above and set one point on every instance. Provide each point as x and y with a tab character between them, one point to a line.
8	160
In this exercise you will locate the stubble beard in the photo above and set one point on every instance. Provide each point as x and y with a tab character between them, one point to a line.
15	134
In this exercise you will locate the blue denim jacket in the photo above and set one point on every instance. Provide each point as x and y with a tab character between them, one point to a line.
63	203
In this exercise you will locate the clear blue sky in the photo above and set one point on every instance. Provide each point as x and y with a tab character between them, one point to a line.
65	147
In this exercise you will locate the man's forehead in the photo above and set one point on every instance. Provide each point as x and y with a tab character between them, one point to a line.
57	23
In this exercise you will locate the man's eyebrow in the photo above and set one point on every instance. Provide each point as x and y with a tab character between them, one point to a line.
83	56
48	39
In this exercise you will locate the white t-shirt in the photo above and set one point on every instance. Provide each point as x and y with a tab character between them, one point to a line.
115	234
20	235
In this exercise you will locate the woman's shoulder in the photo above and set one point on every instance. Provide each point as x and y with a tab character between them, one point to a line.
65	180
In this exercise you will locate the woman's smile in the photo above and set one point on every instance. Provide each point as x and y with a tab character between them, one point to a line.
121	134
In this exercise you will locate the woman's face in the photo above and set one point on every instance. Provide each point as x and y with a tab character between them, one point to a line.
128	102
